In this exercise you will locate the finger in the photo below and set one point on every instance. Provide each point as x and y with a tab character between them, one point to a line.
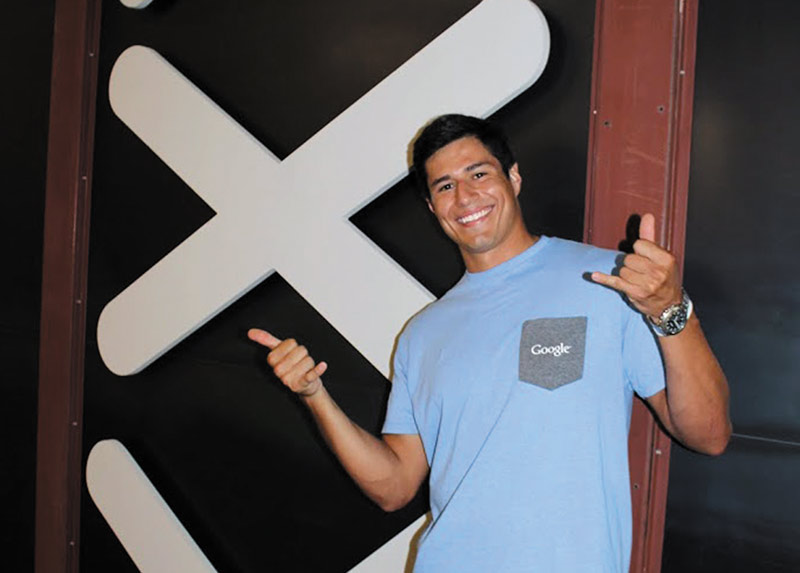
296	377
263	337
657	255
637	263
305	373
647	228
317	371
634	292
638	287
602	278
631	276
285	361
313	380
278	353
611	281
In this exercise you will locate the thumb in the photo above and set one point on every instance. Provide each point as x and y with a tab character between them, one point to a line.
263	337
647	228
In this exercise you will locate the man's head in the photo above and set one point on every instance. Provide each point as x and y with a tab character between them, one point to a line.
448	128
472	185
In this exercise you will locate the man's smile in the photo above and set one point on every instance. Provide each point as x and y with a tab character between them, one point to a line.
475	215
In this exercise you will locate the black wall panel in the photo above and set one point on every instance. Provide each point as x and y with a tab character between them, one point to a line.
26	30
233	453
742	512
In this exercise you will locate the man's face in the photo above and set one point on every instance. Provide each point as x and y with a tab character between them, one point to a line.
476	203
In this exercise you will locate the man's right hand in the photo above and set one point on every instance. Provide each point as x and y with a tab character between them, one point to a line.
388	470
291	363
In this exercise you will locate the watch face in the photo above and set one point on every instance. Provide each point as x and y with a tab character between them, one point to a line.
675	322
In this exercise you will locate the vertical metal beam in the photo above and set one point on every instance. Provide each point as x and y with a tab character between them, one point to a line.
66	233
639	143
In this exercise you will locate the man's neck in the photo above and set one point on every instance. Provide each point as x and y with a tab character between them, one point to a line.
479	262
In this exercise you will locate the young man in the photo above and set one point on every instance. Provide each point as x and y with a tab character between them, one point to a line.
512	393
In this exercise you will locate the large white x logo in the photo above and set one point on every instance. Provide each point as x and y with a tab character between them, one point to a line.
291	216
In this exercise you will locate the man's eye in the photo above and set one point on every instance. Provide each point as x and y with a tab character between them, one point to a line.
446	187
480	175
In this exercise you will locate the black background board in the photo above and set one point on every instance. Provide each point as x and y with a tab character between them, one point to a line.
234	455
26	30
741	512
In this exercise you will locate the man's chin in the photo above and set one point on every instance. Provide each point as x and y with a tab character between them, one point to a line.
476	247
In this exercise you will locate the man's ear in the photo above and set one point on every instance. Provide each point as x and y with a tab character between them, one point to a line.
430	205
515	178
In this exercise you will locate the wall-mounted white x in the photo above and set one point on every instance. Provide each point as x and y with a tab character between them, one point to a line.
292	215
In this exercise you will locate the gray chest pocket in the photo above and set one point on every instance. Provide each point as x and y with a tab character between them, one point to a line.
551	351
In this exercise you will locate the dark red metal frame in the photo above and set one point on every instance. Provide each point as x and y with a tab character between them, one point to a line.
638	161
66	235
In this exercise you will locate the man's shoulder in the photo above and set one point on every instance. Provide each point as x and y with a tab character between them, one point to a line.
581	251
573	256
434	315
428	314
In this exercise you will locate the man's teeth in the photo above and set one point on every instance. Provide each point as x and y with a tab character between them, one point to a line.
475	216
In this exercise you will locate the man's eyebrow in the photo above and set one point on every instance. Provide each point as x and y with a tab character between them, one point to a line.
474	166
467	169
438	180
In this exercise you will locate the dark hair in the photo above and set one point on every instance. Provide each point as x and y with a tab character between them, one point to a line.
446	129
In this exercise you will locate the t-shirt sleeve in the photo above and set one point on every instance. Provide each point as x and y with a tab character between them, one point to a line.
644	366
400	411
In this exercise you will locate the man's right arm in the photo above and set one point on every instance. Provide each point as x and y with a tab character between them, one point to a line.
388	470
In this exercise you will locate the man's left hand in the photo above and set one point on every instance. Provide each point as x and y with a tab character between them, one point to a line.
649	276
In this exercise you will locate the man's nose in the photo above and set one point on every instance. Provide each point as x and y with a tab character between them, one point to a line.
465	192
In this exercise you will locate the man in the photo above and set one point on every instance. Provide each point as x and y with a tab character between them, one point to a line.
512	393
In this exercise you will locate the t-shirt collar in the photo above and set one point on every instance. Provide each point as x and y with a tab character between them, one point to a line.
505	268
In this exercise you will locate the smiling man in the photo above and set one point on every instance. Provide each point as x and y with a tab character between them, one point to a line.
512	393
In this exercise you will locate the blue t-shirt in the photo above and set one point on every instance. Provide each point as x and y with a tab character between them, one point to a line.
520	382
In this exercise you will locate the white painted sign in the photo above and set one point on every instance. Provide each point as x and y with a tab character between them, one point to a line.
152	535
136	4
293	215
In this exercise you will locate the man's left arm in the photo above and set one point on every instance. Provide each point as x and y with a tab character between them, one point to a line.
694	405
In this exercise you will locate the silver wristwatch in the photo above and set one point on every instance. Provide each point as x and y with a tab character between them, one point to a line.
673	318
